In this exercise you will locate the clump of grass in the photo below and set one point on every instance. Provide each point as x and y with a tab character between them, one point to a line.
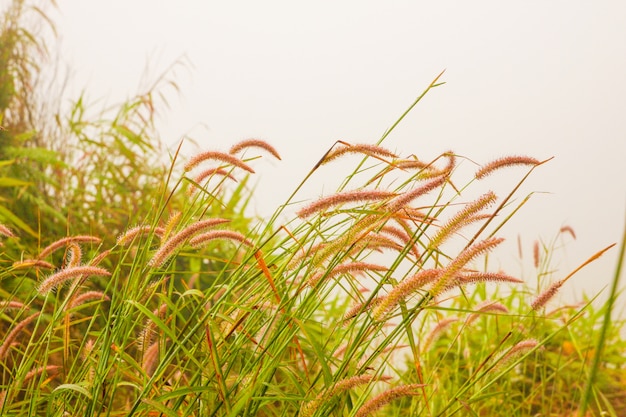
378	298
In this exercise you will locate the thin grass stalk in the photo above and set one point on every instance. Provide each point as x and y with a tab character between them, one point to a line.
595	365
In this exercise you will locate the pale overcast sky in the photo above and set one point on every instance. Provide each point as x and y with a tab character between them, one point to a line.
541	78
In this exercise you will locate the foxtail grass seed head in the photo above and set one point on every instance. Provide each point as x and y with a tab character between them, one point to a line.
129	236
486	307
386	397
5	231
32	263
536	254
87	297
476	277
65	241
48	369
10	338
170	245
254	143
404	199
348	267
405	289
507	161
150	359
436	332
64	275
462	259
210	173
74	255
365	149
518	350
309	408
206	237
11	305
462	218
360	307
570	230
217	156
546	295
342	198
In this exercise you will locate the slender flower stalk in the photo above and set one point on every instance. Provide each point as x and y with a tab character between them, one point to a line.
345	197
130	235
170	245
507	161
366	149
64	275
386	397
9	338
218	156
462	218
254	143
65	241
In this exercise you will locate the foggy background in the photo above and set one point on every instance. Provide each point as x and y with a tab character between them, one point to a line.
538	78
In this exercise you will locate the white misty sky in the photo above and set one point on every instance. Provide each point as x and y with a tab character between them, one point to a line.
541	78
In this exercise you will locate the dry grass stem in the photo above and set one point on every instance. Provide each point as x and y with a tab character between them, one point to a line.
133	232
386	397
345	197
507	161
218	156
167	248
462	218
254	143
206	237
64	275
365	149
10	338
